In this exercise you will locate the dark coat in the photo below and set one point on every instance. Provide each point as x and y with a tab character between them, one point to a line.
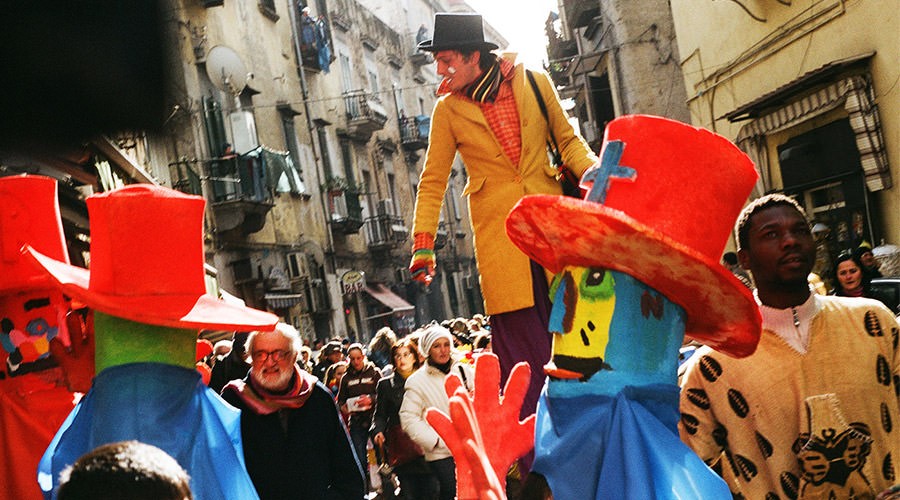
387	409
387	416
231	367
357	383
312	460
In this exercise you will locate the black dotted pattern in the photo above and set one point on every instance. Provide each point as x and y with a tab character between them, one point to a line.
873	326
790	484
840	452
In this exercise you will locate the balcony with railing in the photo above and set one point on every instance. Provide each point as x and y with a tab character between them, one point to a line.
414	132
344	208
385	231
365	114
579	14
240	199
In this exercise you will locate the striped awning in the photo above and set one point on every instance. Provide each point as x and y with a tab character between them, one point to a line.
855	94
282	300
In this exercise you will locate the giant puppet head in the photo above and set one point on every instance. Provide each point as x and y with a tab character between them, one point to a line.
32	309
637	268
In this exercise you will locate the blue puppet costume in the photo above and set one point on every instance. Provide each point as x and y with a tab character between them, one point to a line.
147	291
637	265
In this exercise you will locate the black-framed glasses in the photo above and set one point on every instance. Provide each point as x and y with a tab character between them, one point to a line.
276	355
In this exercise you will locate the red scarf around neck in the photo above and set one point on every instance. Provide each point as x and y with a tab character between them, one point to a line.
263	402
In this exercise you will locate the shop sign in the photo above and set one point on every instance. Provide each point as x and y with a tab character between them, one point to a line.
353	282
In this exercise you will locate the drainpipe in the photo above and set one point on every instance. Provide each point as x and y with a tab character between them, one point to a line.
313	136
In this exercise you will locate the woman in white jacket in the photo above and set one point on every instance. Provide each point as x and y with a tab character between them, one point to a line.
425	389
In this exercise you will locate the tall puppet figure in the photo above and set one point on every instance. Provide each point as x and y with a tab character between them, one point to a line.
146	288
637	265
34	400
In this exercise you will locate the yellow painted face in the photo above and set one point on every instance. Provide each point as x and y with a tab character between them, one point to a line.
583	305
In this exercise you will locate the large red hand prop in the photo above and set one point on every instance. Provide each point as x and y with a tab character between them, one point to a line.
76	360
489	423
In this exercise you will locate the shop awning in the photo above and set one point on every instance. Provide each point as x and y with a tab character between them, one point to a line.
785	93
390	299
282	300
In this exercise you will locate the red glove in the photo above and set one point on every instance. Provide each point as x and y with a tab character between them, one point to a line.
422	266
489	423
76	360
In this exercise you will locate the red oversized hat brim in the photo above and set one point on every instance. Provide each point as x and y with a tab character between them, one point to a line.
560	231
176	311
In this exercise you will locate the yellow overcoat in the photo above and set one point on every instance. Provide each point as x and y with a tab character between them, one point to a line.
495	184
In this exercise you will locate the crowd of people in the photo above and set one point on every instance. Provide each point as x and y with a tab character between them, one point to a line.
770	404
271	375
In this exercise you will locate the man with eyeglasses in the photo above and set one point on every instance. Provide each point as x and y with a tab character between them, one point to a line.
295	445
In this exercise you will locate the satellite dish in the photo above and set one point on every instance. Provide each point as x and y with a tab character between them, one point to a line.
226	70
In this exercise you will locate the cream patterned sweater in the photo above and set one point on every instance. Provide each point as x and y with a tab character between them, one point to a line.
782	424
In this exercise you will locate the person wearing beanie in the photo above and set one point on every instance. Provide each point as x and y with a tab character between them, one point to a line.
425	389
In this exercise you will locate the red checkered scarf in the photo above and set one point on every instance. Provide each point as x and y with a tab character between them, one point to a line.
263	402
492	92
485	88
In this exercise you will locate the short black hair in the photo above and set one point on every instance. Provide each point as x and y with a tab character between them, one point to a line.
741	227
125	470
486	60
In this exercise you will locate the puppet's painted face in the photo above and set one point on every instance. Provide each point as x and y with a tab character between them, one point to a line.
605	321
28	322
584	299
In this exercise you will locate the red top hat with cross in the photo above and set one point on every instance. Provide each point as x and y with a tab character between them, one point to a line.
147	263
659	206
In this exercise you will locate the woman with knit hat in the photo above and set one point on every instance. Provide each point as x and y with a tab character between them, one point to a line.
425	389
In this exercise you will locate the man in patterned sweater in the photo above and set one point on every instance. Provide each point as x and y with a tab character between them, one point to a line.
814	412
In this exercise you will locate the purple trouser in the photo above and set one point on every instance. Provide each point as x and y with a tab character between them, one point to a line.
522	335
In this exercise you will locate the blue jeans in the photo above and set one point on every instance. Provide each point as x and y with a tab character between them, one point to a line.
359	435
445	472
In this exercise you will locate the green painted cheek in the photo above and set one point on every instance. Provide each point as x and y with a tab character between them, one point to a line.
120	341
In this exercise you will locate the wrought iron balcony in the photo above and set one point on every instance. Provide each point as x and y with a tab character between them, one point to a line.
344	209
414	132
240	199
364	114
579	13
385	231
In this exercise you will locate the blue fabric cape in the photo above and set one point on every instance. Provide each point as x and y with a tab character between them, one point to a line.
621	446
163	405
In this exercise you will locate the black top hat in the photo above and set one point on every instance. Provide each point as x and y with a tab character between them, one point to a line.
457	31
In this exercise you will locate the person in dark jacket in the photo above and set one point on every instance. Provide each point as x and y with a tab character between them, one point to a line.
416	480
329	355
356	398
233	366
295	444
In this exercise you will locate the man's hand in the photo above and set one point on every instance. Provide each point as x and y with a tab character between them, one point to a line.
76	360
423	265
488	422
